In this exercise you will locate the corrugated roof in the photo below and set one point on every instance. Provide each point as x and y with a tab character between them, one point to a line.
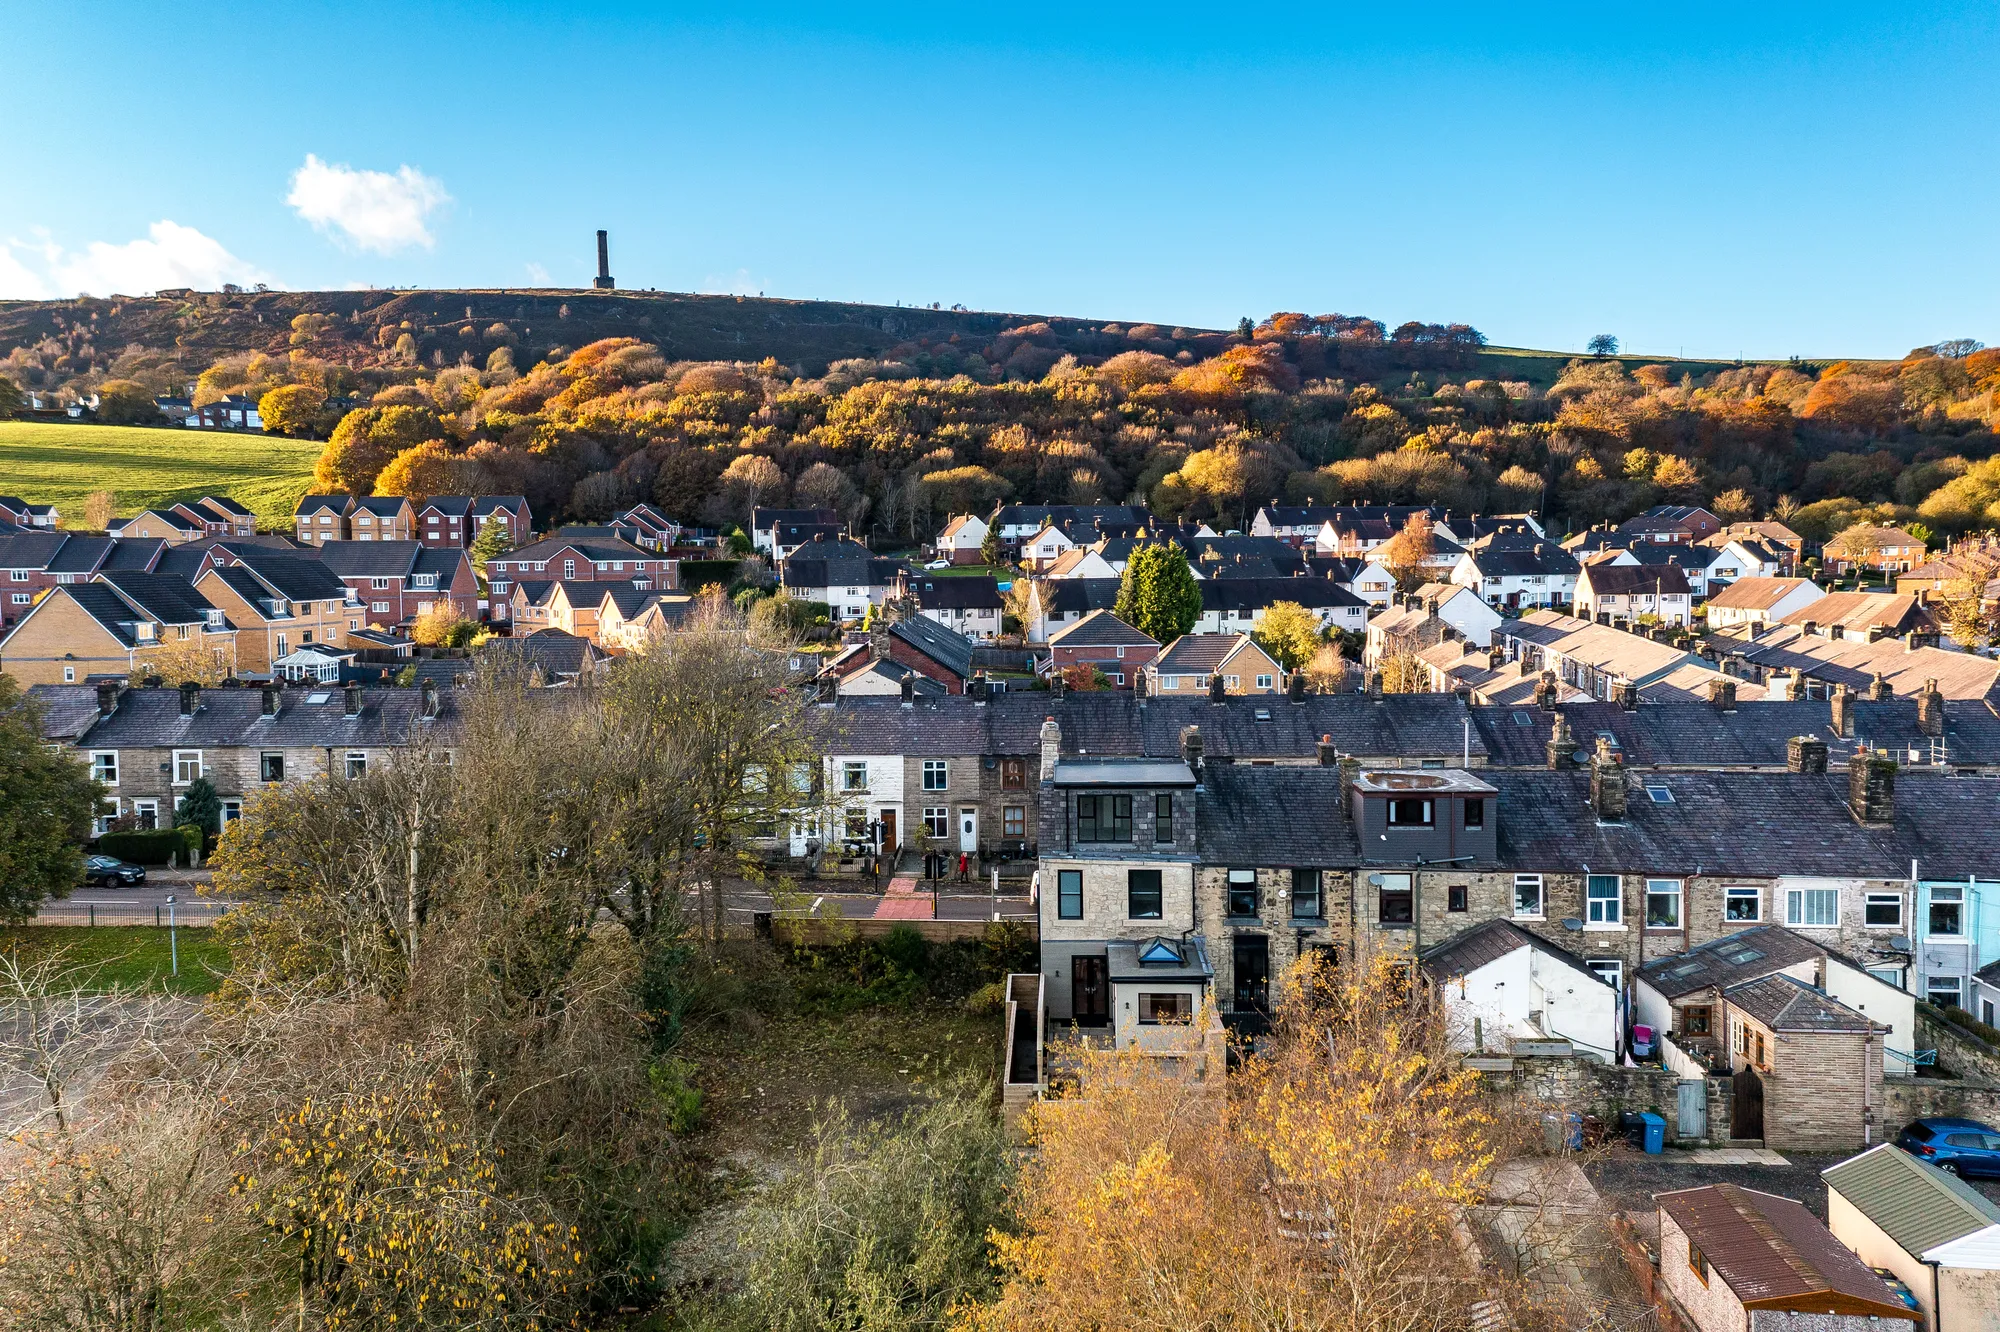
1916	1204
1773	1252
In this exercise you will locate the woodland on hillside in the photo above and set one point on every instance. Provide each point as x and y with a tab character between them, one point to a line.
1298	408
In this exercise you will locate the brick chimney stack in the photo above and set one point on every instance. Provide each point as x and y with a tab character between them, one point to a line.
1871	787
1191	747
1328	755
1722	695
1930	710
1561	747
1607	783
604	281
1051	748
1805	754
1879	690
1842	703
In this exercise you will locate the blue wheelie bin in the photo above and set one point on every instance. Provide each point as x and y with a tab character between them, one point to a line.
1656	1133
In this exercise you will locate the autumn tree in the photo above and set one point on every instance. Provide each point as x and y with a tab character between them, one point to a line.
1965	611
443	625
100	507
126	402
195	659
1326	673
751	480
430	468
1404	555
1733	506
47	800
1158	593
366	441
1292	634
293	410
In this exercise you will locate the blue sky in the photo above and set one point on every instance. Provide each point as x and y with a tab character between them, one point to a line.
1817	180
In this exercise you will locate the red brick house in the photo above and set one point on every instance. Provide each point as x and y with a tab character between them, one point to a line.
396	581
445	521
566	559
510	511
1103	640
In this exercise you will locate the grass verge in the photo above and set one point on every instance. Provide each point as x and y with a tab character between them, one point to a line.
146	467
127	956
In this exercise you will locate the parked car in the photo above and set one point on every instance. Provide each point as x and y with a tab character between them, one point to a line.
1959	1146
110	872
938	564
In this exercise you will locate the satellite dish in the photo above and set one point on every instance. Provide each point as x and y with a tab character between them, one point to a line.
1572	923
1901	944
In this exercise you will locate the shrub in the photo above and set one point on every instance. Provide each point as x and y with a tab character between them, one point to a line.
153	846
907	949
989	1000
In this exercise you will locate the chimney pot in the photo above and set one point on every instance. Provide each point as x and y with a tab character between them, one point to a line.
1930	710
1841	705
1561	746
1722	695
1628	696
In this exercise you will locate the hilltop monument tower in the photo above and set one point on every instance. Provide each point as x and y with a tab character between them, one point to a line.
605	282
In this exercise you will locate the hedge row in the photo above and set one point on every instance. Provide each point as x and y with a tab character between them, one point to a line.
151	846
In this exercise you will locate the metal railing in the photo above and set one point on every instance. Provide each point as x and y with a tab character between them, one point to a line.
192	914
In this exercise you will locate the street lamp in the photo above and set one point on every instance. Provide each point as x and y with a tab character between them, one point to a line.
173	939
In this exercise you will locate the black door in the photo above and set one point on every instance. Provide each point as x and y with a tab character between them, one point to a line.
1090	993
1746	1115
1251	962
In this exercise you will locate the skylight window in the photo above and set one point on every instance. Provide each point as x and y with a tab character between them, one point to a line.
318	698
1263	714
1661	795
1523	719
1160	953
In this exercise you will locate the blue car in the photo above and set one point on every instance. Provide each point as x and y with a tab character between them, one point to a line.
1959	1146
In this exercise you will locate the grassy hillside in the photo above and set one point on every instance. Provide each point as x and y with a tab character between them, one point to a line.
60	464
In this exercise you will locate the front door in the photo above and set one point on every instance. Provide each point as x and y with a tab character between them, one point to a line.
1746	1115
1250	955
888	817
968	831
1089	990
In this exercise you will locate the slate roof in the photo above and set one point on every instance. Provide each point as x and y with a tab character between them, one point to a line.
141	553
804	570
793	534
296	578
1225	592
1619	580
1396	727
1667	518
594	549
1100	628
763	519
1679	554
67	710
370	559
80	555
102	604
1785	1003
947	647
223	505
448	505
1069	595
1282	817
1013	515
966	592
1544	557
486	504
1730	960
166	597
1854	612
314	503
1755	593
29	550
560	655
229	717
1697	735
1772	1251
386	506
1197	654
444	561
1303	515
1489	941
1916	1204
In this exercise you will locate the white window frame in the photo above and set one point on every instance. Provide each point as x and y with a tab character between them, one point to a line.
182	756
940	770
355	764
1882	899
1263	682
849	770
99	766
1953	893
1534	881
1796	912
1957	989
1604	913
1736	892
1674	888
937	820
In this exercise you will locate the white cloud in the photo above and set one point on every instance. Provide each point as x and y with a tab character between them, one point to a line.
169	255
538	275
372	210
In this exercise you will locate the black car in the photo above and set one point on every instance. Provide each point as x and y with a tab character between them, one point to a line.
109	871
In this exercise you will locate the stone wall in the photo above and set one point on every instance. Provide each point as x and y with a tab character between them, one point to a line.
1604	1090
1905	1099
1285	934
1823	1095
1958	1050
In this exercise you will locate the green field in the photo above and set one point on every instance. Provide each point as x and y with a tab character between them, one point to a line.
146	467
129	957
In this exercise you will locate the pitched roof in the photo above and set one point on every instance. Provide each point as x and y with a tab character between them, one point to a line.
166	597
1775	1254
1543	557
1756	593
1617	580
560	655
1855	662
946	647
1730	960
231	717
1268	816
295	577
486	504
1014	515
313	503
381	505
593	549
370	559
1864	537
1100	628
809	570
762	519
1489	941
1915	1204
1854	612
965	592
1693	734
223	505
1786	1003
1069	595
1220	592
80	554
458	505
29	550
1199	654
1667	517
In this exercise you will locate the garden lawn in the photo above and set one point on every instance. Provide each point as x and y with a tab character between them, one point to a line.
126	956
147	467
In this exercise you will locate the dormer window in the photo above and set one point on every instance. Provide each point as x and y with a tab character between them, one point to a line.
214	618
143	631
